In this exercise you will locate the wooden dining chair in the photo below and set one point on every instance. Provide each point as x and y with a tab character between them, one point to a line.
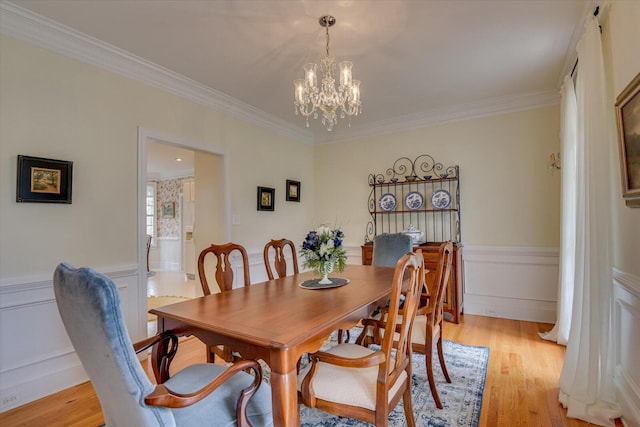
279	249
224	278
224	271
427	328
351	380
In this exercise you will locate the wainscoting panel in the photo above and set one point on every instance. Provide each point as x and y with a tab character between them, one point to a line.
626	325
511	282
36	356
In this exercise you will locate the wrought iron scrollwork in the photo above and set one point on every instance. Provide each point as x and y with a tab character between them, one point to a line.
421	166
423	175
370	232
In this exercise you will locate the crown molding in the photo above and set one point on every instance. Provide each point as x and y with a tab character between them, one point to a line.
454	113
43	32
46	33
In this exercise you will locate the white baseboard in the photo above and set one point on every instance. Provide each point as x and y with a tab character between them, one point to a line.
46	383
510	308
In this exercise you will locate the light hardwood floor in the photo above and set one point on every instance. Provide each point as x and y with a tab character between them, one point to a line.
521	388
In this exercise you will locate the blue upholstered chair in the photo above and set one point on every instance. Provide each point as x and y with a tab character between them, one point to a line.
389	248
200	394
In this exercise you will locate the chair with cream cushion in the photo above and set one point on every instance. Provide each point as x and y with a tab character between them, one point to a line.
351	380
89	305
427	326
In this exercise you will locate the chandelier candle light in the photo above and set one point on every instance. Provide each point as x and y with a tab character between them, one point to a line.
309	98
323	251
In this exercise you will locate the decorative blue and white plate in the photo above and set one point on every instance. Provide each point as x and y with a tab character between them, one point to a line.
388	202
440	199
413	200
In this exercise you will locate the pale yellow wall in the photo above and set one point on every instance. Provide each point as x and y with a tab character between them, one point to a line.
509	197
620	42
52	106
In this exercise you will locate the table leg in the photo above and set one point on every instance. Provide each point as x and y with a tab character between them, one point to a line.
284	393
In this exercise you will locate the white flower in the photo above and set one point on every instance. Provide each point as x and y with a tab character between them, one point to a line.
323	229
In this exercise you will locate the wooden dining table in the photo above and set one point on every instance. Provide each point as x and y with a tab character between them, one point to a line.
278	321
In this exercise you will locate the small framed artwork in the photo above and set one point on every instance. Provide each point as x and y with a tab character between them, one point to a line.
266	198
43	180
293	191
168	210
628	121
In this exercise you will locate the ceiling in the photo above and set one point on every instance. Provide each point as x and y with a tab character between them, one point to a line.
419	61
165	161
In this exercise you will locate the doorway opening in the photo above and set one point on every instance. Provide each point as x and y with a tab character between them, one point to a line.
196	186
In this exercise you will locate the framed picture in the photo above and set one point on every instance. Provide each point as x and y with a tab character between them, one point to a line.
293	191
168	210
266	198
628	120
43	180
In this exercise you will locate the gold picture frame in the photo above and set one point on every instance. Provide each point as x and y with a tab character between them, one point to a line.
628	123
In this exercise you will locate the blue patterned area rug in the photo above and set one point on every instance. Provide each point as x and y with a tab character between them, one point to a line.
461	400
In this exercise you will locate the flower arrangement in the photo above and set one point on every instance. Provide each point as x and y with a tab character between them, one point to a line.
323	251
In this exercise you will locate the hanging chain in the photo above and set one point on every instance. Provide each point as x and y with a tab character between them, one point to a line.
327	29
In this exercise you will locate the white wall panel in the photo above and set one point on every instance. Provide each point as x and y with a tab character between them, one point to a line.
626	324
511	282
36	355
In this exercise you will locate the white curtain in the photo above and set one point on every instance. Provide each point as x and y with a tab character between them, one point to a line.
568	136
586	381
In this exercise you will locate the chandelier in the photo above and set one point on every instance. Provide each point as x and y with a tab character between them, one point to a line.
326	99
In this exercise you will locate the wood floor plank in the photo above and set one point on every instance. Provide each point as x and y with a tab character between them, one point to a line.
521	388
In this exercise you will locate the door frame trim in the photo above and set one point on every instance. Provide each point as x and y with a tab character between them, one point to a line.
144	135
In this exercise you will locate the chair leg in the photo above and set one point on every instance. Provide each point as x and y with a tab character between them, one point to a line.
343	333
382	417
211	356
429	365
442	364
408	406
